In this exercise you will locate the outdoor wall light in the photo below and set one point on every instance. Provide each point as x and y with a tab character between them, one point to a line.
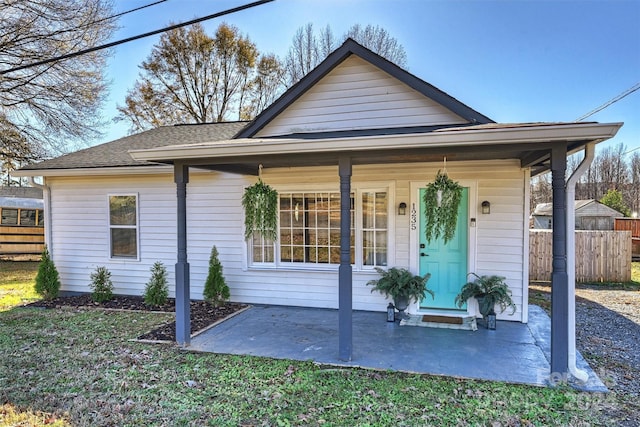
402	208
486	207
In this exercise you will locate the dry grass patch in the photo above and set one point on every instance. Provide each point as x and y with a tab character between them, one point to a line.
11	416
17	283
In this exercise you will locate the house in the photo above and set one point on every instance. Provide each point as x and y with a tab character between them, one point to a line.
347	147
21	222
590	215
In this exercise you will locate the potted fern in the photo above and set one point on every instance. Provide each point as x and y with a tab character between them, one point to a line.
441	201
260	203
401	285
489	291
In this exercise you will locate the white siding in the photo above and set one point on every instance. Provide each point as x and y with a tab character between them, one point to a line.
357	95
214	213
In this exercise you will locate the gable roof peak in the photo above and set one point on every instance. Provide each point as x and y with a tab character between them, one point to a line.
351	47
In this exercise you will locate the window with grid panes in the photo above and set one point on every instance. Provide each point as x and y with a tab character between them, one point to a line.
310	228
374	228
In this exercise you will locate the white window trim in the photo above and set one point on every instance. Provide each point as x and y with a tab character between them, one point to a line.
137	227
357	188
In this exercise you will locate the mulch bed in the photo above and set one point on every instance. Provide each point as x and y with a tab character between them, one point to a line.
203	313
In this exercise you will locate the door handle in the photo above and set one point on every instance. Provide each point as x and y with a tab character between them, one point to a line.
423	254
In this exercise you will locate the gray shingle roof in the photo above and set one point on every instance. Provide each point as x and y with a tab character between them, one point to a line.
116	153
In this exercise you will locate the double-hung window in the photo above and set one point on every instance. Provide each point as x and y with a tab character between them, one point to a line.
123	226
375	233
309	230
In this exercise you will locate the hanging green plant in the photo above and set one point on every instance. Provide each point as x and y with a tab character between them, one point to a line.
260	203
441	201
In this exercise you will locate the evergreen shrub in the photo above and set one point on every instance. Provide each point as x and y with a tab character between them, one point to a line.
156	291
101	285
216	290
47	280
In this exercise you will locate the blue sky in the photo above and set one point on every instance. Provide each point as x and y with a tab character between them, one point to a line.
514	61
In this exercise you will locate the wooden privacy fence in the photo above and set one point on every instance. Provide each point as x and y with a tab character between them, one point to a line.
601	256
19	240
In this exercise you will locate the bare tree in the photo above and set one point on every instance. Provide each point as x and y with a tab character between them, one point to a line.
378	40
540	190
326	42
633	194
303	55
190	77
308	49
46	109
265	87
610	170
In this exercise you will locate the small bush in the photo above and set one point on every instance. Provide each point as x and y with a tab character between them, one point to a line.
157	290
47	280
216	290
101	285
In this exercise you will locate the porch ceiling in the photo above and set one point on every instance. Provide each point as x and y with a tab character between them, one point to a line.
529	143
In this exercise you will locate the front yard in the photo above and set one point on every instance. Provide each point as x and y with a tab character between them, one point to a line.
79	367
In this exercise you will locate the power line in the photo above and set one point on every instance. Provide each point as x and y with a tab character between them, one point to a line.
117	15
631	151
610	102
140	36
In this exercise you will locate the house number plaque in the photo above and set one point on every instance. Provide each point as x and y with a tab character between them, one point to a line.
414	217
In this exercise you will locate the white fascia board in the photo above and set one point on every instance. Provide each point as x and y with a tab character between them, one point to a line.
129	170
444	138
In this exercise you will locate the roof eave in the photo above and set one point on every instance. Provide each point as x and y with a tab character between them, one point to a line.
99	171
590	132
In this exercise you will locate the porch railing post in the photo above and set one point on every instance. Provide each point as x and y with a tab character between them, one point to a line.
345	327
183	308
559	276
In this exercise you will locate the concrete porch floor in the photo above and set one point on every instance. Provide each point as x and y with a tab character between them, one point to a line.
515	352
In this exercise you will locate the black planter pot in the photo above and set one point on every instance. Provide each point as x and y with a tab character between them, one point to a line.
401	303
489	317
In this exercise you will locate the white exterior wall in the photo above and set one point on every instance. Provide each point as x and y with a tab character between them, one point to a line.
357	95
214	214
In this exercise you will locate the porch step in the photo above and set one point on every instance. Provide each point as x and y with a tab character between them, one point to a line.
467	323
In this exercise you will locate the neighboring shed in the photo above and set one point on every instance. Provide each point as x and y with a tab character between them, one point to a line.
25	192
21	222
590	215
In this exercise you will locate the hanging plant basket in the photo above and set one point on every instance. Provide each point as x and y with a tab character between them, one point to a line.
441	201
260	203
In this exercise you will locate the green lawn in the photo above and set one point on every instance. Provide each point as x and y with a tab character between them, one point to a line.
78	367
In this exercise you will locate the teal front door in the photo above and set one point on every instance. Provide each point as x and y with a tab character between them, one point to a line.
447	263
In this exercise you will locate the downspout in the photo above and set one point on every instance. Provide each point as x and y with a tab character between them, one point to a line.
48	229
589	152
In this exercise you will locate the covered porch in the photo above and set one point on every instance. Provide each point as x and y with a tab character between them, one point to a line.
538	147
514	353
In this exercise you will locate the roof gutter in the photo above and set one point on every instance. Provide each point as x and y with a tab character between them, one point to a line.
107	171
570	194
46	195
239	148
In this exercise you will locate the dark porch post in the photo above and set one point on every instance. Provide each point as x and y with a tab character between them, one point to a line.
559	277
345	329
183	309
